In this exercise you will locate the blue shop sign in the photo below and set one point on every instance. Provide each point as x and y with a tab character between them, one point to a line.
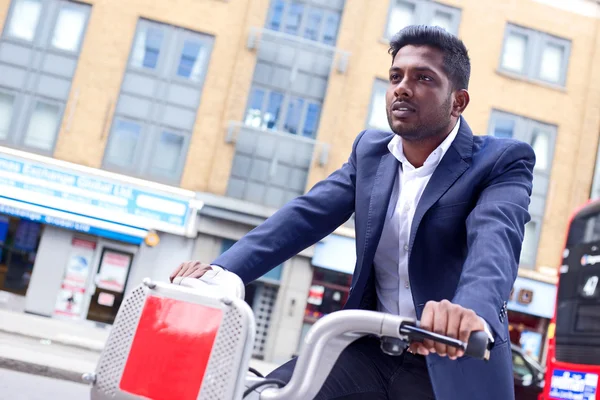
88	202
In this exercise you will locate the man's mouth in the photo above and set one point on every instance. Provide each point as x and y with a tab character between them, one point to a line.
402	110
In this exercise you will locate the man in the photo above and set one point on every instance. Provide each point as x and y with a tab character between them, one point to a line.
439	216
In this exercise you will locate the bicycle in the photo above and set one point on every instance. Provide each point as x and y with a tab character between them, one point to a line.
193	340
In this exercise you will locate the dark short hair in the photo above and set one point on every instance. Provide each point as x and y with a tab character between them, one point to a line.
456	58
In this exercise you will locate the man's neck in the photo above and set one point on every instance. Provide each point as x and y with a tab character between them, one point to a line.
417	151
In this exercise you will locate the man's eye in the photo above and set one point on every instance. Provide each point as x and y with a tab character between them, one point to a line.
425	78
394	77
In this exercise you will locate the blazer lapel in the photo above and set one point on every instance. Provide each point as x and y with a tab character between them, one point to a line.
387	173
452	166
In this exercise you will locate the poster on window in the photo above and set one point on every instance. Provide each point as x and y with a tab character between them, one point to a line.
531	343
114	268
79	262
69	301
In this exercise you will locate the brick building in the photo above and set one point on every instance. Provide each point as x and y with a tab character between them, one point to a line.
188	122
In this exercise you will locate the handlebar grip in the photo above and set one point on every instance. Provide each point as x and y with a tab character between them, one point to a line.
477	347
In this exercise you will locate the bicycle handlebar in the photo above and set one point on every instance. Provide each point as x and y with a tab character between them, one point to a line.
330	335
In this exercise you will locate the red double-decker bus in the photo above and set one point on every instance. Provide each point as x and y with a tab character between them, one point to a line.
573	360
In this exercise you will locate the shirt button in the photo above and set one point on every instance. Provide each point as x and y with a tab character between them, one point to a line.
405	247
407	207
406	285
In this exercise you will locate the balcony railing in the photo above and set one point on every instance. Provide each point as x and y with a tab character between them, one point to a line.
271	167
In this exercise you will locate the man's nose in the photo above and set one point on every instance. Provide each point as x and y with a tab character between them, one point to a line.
403	89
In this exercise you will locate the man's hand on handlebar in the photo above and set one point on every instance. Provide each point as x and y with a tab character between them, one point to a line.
190	269
447	319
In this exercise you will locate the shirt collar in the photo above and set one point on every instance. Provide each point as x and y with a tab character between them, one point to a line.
395	147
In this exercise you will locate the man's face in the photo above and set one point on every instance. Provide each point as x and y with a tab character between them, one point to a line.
419	99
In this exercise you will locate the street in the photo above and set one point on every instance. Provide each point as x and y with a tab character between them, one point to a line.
22	386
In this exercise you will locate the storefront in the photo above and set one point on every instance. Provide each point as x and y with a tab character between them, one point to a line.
333	265
530	308
72	238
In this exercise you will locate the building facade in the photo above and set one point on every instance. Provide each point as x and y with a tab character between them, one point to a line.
135	135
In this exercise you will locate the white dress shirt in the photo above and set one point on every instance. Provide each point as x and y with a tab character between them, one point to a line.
394	295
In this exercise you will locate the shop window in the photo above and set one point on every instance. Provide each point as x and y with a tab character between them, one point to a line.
19	241
328	292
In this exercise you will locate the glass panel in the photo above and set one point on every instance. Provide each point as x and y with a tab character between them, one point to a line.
504	127
514	52
332	22
271	115
276	16
123	143
43	126
551	64
254	114
313	24
293	17
529	248
24	19
378	118
294	113
146	48
443	20
401	15
192	60
312	120
274	274
540	142
69	29
169	152
6	110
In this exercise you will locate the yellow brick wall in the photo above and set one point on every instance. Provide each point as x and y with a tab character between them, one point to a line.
574	109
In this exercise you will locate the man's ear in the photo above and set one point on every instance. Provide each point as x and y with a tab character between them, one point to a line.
460	103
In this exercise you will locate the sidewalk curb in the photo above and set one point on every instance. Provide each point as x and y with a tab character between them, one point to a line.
42	370
96	347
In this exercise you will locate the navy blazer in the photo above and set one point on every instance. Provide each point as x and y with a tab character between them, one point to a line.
465	240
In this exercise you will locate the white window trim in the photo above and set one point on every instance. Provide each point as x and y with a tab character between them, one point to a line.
424	11
536	41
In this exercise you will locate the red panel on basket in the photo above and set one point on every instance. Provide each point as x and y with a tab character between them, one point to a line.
170	350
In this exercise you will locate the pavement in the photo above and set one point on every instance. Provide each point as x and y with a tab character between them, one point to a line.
57	349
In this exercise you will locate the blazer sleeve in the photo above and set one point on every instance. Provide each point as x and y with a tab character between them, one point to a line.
495	230
296	226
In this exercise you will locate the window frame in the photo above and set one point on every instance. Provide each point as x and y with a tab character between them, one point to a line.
287	97
536	43
16	113
56	10
164	77
30	108
523	131
383	84
44	5
307	7
424	12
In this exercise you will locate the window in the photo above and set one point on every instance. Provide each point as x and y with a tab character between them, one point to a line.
157	107
43	126
309	21
24	19
403	13
192	61
147	47
265	109
34	94
125	138
541	137
377	118
535	55
6	112
69	28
